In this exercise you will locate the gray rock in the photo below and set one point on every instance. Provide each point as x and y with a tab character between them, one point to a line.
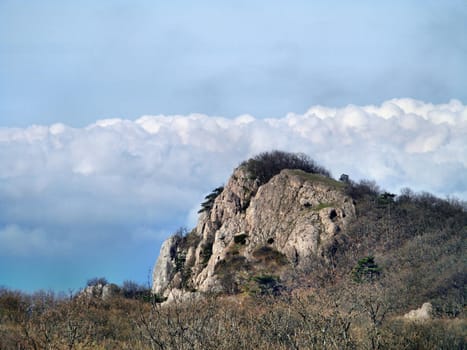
102	291
422	314
165	266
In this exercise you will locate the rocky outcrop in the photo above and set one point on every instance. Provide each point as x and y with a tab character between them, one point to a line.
101	291
165	266
255	228
424	313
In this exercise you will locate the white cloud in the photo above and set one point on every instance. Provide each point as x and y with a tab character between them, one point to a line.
119	178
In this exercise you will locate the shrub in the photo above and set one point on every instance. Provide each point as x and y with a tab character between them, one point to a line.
362	189
231	272
366	270
267	164
181	232
130	289
191	239
270	255
206	251
180	259
268	284
96	281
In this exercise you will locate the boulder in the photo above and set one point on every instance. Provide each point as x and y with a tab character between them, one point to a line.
424	313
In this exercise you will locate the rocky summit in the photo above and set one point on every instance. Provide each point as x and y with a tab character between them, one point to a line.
257	227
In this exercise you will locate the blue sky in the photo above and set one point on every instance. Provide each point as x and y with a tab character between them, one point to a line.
84	194
78	61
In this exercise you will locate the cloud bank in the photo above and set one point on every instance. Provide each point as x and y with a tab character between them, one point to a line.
116	186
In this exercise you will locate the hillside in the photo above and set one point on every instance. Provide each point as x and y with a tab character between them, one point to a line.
282	224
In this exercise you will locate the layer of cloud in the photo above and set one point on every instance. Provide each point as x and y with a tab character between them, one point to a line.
120	182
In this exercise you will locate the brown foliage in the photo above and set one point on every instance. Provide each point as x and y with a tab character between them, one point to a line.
338	318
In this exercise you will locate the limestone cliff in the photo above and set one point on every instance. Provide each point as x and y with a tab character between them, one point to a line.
250	229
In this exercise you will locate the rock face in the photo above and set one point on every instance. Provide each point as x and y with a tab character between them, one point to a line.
165	266
250	228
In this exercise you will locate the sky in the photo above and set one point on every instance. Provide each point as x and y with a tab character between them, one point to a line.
117	117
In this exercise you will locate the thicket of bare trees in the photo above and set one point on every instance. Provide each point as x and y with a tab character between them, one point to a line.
359	318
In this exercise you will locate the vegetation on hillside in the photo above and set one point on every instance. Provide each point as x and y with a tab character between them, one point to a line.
322	319
418	242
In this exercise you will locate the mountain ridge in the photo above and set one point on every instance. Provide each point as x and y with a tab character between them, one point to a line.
273	229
